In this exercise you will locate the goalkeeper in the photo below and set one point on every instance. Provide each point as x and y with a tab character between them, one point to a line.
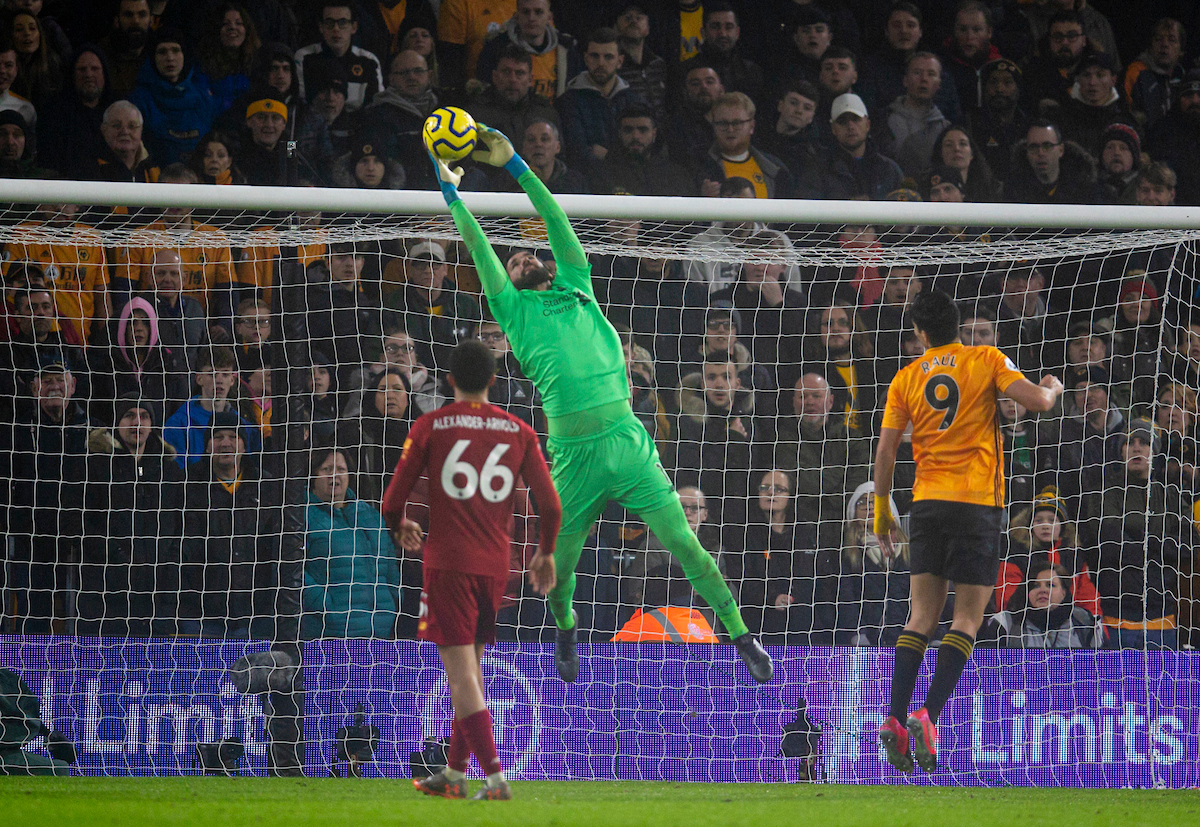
600	451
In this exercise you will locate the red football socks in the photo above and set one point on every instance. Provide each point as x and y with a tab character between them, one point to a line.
477	731
459	754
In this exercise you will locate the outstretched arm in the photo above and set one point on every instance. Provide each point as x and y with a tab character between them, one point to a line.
491	272
564	243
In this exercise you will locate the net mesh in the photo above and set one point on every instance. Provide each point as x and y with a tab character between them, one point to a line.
162	550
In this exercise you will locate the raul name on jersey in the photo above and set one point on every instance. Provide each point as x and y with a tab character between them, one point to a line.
946	360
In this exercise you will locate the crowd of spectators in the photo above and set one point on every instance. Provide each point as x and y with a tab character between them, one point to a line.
154	396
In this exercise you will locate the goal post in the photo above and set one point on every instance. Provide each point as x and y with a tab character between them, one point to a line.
271	333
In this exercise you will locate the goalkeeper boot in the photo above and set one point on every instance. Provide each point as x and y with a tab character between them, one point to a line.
755	657
566	651
923	735
894	738
494	792
438	784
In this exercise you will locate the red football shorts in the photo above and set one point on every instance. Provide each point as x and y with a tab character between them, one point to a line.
459	609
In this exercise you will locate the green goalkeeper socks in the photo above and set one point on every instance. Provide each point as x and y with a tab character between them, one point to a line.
671	527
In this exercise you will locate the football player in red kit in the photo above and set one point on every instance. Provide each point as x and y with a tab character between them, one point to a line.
473	453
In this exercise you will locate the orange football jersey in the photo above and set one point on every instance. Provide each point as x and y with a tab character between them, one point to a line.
949	394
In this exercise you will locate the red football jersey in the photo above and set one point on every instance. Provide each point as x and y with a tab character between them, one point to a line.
474	454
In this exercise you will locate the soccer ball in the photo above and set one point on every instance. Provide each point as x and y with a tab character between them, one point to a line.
450	133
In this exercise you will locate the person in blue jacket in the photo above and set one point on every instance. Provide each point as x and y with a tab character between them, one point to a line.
187	428
174	100
351	573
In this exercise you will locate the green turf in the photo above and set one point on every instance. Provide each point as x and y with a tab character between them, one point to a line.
206	802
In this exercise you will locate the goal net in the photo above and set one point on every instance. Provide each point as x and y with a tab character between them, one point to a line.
206	391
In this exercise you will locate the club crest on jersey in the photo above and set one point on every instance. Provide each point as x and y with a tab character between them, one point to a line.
946	360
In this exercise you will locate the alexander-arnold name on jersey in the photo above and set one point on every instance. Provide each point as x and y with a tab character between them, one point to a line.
479	423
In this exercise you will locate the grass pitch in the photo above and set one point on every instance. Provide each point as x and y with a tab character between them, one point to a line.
208	802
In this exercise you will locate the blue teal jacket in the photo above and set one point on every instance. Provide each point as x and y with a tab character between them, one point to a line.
351	574
176	115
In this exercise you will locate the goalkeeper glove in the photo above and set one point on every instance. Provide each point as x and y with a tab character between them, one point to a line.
498	151
448	179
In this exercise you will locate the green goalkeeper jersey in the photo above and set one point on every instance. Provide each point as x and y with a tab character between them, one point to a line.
561	338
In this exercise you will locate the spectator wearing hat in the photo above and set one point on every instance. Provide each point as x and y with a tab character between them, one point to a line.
640	164
132	527
1174	138
1143	537
38	336
70	121
1050	74
643	69
1046	169
273	75
16	150
945	185
852	168
913	122
132	359
186	429
326	92
437	315
721	50
44	458
1155	185
1087	438
1151	80
733	155
173	98
839	73
1044	529
124	156
126	44
1120	162
1093	103
367	167
263	150
554	53
232	530
881	72
338	24
399	113
999	123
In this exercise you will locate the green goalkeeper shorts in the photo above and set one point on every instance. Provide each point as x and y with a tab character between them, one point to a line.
618	463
